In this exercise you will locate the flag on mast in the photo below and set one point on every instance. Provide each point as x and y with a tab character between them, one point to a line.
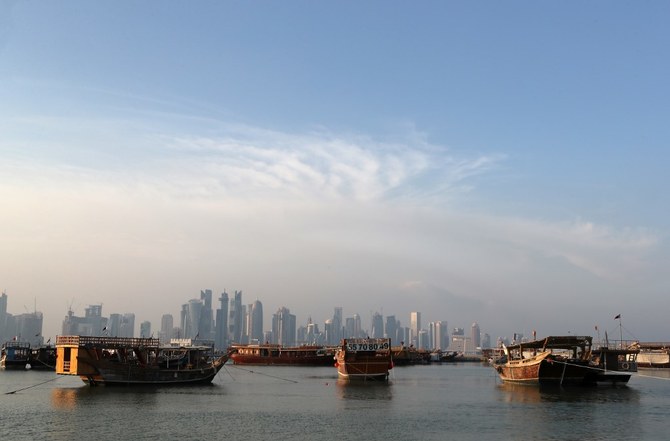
618	316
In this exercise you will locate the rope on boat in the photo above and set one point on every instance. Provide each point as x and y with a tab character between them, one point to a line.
45	364
267	375
28	387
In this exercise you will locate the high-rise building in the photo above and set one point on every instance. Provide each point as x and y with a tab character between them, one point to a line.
127	325
167	324
377	330
206	323
475	336
336	329
236	318
113	326
221	325
191	313
439	335
423	340
284	327
312	334
93	324
93	316
486	341
459	342
391	329
29	328
352	327
4	334
255	323
414	326
145	329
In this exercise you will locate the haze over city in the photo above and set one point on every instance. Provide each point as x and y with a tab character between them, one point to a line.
497	162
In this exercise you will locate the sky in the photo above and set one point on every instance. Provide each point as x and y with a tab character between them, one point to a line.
497	162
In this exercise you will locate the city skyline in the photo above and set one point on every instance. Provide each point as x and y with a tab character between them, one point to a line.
436	334
490	161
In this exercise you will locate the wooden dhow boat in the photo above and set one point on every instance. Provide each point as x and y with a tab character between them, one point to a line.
654	355
136	361
22	356
565	360
15	355
277	355
364	359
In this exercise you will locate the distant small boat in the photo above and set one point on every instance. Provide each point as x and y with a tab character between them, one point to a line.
654	356
364	359
43	358
274	354
20	356
565	360
15	355
403	356
135	361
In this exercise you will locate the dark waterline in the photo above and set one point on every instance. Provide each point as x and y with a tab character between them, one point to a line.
458	401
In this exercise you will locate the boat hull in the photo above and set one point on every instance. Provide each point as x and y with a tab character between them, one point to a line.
265	355
15	356
566	360
654	359
136	361
106	373
356	364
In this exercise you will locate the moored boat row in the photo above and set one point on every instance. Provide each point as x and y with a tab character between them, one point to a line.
18	355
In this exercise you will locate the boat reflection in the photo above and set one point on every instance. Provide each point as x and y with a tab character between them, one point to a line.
514	393
72	397
64	398
370	390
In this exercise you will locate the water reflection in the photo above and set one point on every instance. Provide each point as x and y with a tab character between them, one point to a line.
371	390
654	373
571	411
70	398
515	393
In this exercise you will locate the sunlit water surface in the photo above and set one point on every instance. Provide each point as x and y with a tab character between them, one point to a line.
453	401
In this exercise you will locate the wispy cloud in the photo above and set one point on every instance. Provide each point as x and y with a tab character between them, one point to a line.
257	163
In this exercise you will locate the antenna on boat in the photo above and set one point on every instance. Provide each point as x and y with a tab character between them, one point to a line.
618	317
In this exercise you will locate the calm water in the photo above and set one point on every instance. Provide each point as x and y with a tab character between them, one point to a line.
457	401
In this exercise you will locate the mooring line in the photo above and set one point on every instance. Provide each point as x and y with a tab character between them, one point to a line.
28	387
267	375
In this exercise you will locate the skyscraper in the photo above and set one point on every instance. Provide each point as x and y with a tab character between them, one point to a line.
236	318
377	325
206	323
145	329
439	335
127	325
221	325
167	324
475	336
391	330
337	330
255	327
191	319
284	327
414	326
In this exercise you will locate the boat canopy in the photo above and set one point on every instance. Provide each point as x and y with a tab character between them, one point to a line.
555	342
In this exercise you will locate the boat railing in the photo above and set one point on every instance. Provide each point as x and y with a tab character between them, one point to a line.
108	342
618	344
659	345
